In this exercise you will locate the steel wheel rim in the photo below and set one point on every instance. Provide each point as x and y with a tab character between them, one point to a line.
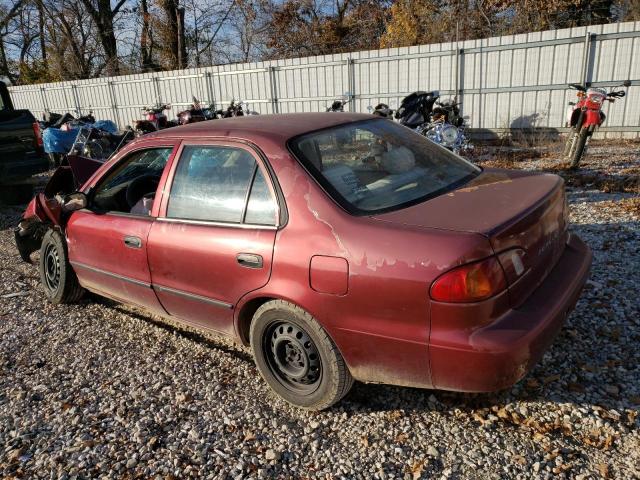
292	357
52	267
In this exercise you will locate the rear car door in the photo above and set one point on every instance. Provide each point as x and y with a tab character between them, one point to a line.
213	240
108	240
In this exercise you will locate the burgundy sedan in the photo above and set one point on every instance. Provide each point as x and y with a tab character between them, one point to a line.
338	246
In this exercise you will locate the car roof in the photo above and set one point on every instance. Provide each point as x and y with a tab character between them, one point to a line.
274	126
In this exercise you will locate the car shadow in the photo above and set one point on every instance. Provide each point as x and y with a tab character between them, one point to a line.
185	332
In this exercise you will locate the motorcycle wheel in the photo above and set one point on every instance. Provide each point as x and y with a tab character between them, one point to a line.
579	145
570	141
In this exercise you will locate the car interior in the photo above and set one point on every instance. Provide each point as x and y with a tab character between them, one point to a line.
131	187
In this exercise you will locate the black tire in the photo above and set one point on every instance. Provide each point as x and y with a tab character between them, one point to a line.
16	194
56	274
569	144
578	148
297	358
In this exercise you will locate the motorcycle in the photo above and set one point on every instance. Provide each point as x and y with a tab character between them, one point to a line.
155	119
195	113
99	143
584	116
382	110
415	109
338	105
233	110
446	127
441	122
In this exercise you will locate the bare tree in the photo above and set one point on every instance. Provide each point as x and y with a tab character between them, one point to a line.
103	15
7	12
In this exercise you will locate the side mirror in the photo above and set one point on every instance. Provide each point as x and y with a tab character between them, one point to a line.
626	83
74	201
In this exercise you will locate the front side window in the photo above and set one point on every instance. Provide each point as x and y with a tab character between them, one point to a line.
132	185
375	166
220	184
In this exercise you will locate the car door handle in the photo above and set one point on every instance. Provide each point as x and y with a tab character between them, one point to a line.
249	260
132	242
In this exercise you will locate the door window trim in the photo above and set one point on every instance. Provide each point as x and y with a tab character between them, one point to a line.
108	167
261	164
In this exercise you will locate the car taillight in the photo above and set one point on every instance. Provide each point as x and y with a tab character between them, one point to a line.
470	283
37	133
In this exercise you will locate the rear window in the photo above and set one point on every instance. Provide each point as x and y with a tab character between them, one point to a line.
377	166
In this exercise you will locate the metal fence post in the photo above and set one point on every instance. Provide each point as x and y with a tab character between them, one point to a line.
43	94
274	89
76	99
208	88
351	82
587	57
156	88
460	78
114	103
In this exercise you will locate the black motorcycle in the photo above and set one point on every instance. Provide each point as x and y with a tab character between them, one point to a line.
439	121
382	110
415	109
338	105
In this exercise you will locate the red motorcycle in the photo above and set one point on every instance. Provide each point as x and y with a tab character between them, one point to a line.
154	119
585	116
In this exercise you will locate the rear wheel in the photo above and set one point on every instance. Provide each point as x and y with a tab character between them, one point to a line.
297	358
58	278
579	144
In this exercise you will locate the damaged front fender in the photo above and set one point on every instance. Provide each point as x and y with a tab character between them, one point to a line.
43	212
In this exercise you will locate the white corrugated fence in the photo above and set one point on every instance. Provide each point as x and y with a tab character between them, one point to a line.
509	82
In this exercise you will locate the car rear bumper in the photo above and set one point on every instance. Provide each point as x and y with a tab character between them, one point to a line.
497	355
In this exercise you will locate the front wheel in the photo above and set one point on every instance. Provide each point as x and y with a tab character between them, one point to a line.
579	144
297	358
58	278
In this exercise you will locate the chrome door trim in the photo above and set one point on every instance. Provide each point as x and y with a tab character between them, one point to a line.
210	223
193	296
111	274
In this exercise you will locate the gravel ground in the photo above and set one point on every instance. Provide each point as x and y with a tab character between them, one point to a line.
101	390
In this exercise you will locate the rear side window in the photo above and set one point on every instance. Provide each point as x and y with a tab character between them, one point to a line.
261	209
220	184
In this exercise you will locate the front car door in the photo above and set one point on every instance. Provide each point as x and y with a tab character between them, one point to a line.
107	241
213	239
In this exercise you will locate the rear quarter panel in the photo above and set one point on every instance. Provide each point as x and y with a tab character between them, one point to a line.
381	325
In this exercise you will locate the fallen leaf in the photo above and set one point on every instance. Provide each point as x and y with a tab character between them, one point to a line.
502	413
416	469
533	383
603	468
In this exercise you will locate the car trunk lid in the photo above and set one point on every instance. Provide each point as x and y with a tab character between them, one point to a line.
520	213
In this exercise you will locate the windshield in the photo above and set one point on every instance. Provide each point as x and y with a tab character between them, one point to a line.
376	166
